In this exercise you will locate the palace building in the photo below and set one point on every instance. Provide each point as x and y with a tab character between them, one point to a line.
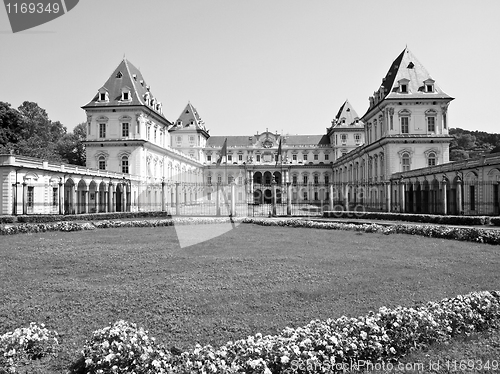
393	158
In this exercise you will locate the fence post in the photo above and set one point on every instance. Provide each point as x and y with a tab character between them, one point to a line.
330	196
288	198
163	208
177	198
273	197
402	196
233	199
388	195
217	201
459	195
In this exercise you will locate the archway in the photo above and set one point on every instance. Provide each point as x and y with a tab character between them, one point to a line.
277	177
69	196
257	177
268	196
257	197
119	197
268	177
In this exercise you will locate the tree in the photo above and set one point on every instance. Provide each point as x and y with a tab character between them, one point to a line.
71	148
10	122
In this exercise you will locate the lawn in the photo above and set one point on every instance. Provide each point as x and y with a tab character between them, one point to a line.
252	279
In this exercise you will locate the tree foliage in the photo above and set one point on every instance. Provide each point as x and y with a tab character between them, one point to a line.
469	144
28	131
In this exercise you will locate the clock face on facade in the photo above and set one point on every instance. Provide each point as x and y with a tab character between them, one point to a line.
267	143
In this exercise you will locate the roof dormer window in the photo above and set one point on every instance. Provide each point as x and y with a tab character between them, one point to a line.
103	95
403	85
429	85
119	74
126	94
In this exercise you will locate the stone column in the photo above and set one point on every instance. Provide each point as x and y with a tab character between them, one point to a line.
388	197
72	209
111	204
444	199
97	197
459	195
25	198
61	197
402	198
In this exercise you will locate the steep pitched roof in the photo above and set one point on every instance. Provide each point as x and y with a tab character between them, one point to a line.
346	111
406	66
189	115
125	75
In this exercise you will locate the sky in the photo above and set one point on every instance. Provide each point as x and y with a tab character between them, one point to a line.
252	65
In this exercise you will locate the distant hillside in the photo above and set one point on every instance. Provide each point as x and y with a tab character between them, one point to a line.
469	144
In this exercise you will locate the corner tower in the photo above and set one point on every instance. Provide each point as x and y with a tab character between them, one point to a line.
346	132
408	114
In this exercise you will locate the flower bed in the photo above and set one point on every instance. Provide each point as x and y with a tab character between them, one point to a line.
79	226
332	345
408	217
319	347
480	235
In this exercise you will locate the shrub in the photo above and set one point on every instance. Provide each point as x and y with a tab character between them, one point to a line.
124	348
23	344
7	219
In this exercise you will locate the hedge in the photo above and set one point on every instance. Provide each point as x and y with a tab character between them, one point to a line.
43	218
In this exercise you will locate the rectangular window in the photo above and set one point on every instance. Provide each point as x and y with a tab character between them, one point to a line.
327	179
429	87
327	157
294	157
209	179
431	124
148	133
304	179
343	138
155	136
258	158
102	165
55	196
406	163
209	158
240	180
294	180
102	97
125	130
404	88
230	157
431	161
179	138
305	195
357	138
240	157
125	96
315	157
125	166
31	194
305	157
316	180
191	139
316	195
102	130
219	179
405	125
209	196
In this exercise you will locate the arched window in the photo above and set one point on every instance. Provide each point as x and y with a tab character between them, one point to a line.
431	159
102	163
405	161
125	164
